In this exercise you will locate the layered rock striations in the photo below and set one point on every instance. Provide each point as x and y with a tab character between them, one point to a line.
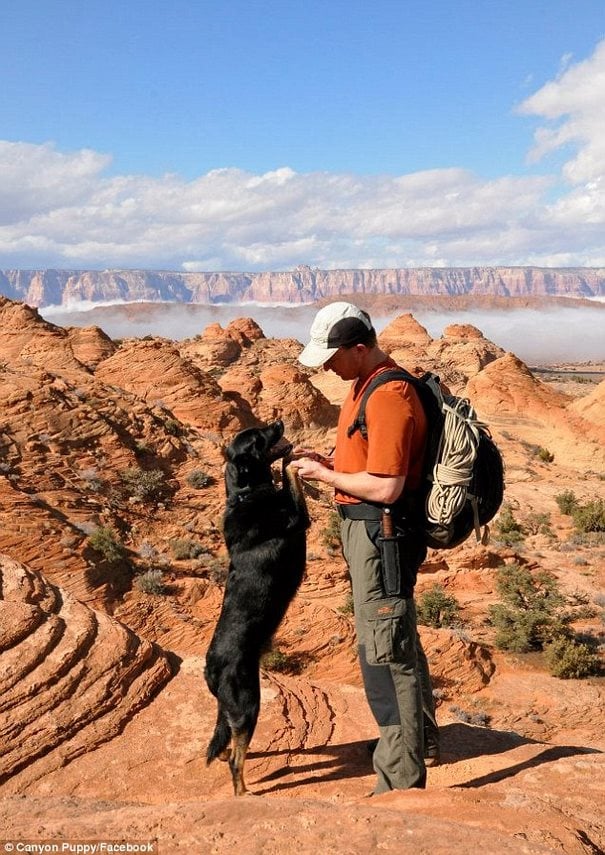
301	285
70	677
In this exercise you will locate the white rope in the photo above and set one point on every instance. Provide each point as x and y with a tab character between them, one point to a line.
453	471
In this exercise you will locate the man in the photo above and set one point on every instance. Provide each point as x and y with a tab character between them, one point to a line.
366	474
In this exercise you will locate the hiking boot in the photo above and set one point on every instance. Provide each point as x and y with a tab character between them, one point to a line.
432	756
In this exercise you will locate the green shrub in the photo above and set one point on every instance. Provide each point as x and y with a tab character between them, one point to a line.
173	427
330	536
199	479
538	523
508	531
347	607
590	517
568	658
282	663
528	615
218	572
567	502
545	455
151	582
183	548
105	541
145	484
436	608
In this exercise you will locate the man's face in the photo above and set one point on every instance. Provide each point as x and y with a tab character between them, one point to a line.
346	362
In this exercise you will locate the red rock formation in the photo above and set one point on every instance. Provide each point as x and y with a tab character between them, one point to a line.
90	345
287	394
30	340
70	678
592	406
156	372
404	329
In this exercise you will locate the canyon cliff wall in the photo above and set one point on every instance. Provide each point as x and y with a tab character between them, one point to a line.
301	285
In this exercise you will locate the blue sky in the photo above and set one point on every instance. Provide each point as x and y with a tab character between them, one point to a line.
265	134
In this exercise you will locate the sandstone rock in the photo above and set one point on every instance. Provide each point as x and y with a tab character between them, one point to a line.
156	372
404	329
244	331
287	393
69	677
30	340
90	345
592	406
463	331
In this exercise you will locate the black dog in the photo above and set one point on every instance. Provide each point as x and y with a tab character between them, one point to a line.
264	531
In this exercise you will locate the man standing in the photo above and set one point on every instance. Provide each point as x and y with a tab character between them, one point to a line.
368	473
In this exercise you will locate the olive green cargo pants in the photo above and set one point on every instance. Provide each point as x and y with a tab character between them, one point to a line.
393	665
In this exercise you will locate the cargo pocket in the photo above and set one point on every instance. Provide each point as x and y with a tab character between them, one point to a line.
385	620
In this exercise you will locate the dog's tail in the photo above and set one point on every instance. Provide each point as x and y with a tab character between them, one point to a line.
220	740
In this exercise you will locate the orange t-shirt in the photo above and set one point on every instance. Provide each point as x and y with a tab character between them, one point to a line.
397	430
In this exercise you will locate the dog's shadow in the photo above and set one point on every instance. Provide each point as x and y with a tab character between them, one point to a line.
459	742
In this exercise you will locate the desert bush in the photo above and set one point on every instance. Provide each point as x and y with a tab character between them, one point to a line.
436	608
538	523
147	551
218	572
590	517
145	484
283	663
105	541
183	548
347	607
151	582
330	536
479	718
90	477
528	615
567	658
173	427
545	455
567	502
507	530
199	479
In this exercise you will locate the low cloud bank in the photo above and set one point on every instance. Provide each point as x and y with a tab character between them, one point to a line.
573	334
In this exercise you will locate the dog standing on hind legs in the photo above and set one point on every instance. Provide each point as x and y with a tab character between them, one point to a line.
265	532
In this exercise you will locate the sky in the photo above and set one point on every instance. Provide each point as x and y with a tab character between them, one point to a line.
265	134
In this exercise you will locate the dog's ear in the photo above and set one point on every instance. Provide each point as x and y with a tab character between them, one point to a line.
260	443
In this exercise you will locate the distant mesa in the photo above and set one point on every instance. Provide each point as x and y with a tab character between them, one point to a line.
302	285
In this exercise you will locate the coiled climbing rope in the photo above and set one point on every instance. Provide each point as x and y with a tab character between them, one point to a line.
452	474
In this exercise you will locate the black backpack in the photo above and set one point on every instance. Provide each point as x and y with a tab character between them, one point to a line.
463	473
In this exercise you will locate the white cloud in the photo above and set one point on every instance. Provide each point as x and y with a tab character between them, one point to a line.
62	209
575	102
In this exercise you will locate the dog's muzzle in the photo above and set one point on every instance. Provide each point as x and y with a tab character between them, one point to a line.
281	449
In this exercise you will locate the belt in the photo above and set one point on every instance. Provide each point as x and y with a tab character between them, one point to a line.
360	511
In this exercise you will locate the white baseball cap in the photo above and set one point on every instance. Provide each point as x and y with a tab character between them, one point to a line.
336	325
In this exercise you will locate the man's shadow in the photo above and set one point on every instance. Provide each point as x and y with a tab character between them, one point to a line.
459	741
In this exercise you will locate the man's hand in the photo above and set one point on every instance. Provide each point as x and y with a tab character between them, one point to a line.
299	453
314	469
384	489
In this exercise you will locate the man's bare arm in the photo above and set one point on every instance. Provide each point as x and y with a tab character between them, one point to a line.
384	489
